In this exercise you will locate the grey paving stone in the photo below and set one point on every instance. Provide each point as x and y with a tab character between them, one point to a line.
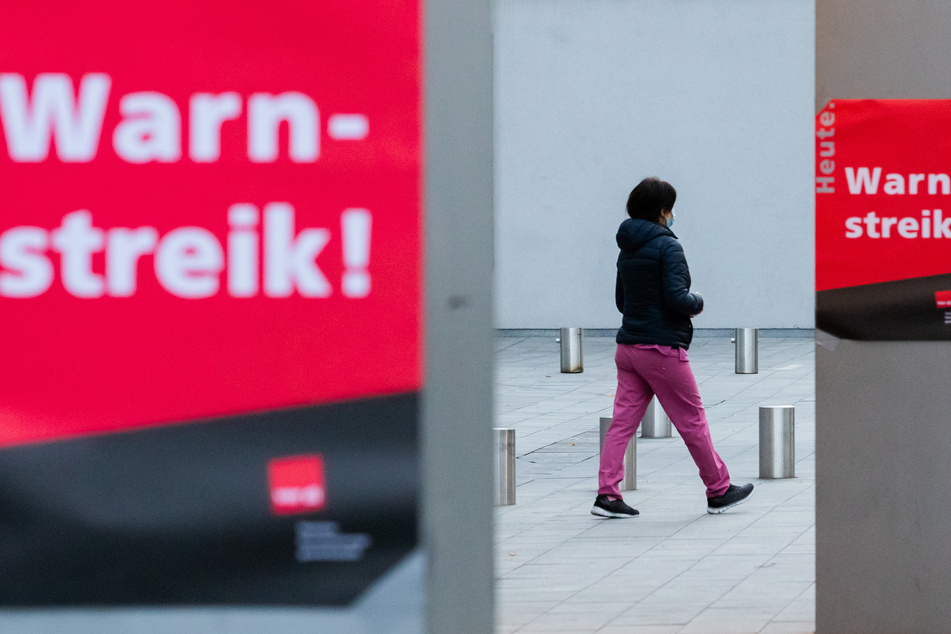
561	569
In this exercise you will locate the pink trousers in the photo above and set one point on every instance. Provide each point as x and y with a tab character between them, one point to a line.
643	371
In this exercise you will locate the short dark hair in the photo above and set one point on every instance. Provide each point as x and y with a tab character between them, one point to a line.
651	197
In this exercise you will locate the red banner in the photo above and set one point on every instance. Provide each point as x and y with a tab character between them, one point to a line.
883	219
883	191
208	209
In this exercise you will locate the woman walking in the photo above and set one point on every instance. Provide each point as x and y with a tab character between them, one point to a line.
653	295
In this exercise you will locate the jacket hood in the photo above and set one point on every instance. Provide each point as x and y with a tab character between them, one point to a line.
634	233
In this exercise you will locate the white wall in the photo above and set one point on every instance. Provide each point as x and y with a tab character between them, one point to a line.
715	96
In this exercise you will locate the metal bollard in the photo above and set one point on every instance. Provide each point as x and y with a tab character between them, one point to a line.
747	351
571	355
629	481
656	423
504	466
777	441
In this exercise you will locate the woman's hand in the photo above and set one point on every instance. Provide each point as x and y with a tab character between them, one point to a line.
702	303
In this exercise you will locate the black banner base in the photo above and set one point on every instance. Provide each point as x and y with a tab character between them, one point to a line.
182	514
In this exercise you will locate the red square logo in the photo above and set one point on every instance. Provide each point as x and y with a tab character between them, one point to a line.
297	484
943	299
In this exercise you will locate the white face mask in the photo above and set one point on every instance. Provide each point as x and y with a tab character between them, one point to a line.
670	221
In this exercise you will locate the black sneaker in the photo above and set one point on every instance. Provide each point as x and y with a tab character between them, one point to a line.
606	507
733	496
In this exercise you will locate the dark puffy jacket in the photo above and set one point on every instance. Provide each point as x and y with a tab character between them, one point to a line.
653	286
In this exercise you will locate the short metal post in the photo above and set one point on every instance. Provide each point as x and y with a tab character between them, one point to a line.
656	423
504	466
629	481
747	351
571	354
777	441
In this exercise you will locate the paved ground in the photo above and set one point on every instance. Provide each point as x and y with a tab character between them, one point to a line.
675	568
